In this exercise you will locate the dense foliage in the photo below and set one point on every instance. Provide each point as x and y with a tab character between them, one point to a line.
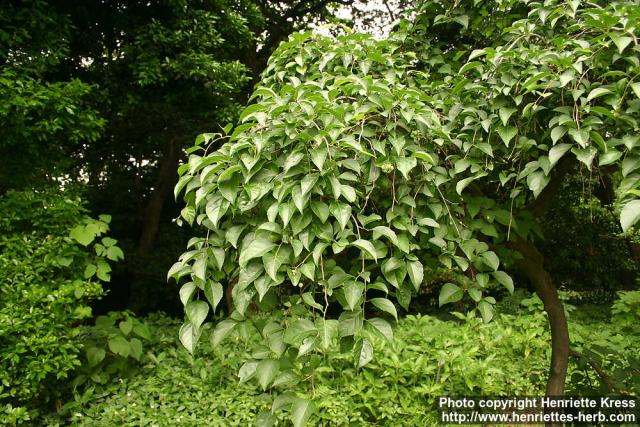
53	258
363	223
508	356
364	168
583	244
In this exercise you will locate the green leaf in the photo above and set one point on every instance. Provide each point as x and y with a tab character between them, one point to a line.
321	210
352	293
449	293
90	270
557	133
609	157
95	356
200	269
504	279
247	371
385	305
298	198
102	272
557	151
381	326
292	160
366	246
141	330
213	292
307	297
309	270
507	133
82	235
114	253
363	352
405	164
581	136
350	323
341	212
382	230
475	294
598	92
119	345
486	310
266	372
491	259
196	312
537	181
273	261
416	273
422	155
215	209
636	88
621	42
505	114
470	66
186	292
566	77
586	155
126	326
221	330
463	183
136	348
301	411
254	248
462	20
318	156
630	214
328	331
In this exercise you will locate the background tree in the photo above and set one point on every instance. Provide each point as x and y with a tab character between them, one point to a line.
123	89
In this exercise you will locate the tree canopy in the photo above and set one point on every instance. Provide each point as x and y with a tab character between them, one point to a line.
365	169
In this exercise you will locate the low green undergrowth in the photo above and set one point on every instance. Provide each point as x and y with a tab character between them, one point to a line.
429	357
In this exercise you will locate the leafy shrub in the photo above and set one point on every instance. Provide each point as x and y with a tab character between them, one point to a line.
626	309
584	246
612	350
52	260
112	346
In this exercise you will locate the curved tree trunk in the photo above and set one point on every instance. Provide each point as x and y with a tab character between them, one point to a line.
532	265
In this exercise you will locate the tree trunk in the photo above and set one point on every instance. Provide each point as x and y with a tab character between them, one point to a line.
532	266
167	176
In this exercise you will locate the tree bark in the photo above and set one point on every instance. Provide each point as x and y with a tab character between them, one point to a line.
165	181
532	265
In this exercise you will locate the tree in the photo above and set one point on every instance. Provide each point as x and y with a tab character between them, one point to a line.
43	121
110	94
365	167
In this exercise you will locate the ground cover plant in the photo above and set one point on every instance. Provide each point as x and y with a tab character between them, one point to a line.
509	356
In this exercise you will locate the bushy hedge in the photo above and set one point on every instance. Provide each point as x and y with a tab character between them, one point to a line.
51	264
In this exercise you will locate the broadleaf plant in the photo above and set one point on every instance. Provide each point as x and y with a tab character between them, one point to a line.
366	167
